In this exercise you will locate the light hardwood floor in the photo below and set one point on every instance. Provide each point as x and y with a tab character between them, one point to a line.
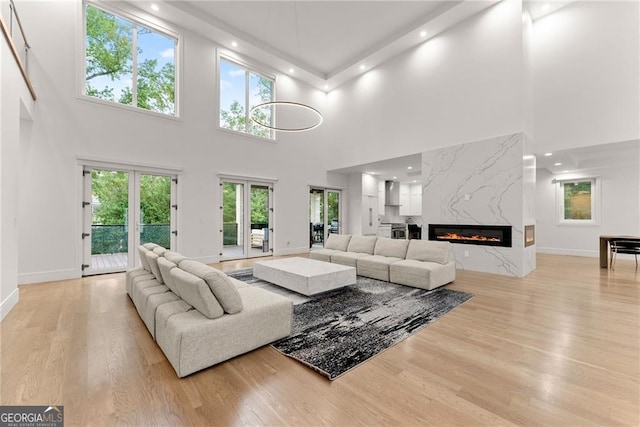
559	347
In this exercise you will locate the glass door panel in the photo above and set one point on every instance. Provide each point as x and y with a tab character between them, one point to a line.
233	222
316	218
155	210
333	212
260	227
106	221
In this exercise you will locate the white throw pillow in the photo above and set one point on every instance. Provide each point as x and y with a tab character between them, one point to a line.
221	286
339	242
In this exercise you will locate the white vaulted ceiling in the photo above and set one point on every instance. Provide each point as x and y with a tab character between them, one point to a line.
324	42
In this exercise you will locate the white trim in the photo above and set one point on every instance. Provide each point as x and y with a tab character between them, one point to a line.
563	251
48	276
254	179
126	166
8	303
291	251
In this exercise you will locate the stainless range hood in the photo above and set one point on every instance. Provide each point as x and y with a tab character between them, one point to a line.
391	193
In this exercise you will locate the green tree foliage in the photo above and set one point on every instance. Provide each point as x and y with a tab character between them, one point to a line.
109	52
259	203
235	118
111	192
333	206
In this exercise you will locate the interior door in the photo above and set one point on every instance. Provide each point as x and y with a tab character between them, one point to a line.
121	210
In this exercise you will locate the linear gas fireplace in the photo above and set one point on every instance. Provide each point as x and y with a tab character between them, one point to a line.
488	235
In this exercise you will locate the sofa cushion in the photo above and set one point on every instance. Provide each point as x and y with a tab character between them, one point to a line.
396	248
375	266
323	254
195	291
422	274
338	242
427	250
153	264
150	246
223	289
174	257
165	267
346	258
362	244
159	250
142	252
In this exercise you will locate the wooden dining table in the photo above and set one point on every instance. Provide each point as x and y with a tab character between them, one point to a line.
604	246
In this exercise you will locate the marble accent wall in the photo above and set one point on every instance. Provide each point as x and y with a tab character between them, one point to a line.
483	182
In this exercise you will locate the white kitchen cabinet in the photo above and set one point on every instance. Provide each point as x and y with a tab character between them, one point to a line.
369	185
411	199
381	196
384	230
369	215
405	199
415	201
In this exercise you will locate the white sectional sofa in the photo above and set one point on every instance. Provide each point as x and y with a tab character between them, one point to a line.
419	263
198	315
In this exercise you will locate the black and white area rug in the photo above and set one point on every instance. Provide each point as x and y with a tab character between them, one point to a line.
336	331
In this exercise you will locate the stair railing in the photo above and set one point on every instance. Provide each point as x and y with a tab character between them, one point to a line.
9	37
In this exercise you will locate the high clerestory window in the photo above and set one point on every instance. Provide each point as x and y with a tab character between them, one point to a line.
241	89
129	63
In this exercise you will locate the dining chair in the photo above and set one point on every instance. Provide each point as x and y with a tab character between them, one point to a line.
624	247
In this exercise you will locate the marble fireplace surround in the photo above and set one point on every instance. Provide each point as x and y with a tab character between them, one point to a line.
489	181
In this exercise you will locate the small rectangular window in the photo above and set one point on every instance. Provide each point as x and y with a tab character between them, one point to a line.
578	201
240	90
129	63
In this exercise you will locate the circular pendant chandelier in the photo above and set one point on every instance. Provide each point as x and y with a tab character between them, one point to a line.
298	105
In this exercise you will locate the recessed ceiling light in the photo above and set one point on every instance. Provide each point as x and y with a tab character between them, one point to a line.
395	177
326	86
415	180
362	67
155	7
546	7
548	154
423	33
410	167
557	164
565	171
234	44
291	70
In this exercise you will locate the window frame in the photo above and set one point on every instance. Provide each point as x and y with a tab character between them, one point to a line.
136	17
249	68
595	201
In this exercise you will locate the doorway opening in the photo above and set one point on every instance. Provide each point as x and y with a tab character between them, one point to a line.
324	215
247	215
123	208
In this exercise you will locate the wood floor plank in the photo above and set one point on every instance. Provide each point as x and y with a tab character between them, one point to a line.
558	347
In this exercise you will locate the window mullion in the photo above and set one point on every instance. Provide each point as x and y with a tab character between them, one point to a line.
246	101
134	71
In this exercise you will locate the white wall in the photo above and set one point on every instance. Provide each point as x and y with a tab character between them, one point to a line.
66	127
619	208
586	68
15	105
463	85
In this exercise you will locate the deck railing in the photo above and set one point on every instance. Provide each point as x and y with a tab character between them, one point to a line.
113	239
14	35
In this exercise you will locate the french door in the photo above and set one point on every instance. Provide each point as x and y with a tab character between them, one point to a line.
123	208
324	215
247	215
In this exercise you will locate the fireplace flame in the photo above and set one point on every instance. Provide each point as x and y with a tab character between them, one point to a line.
455	236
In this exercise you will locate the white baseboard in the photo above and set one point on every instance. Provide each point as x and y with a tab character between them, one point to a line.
291	251
572	252
8	303
48	276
